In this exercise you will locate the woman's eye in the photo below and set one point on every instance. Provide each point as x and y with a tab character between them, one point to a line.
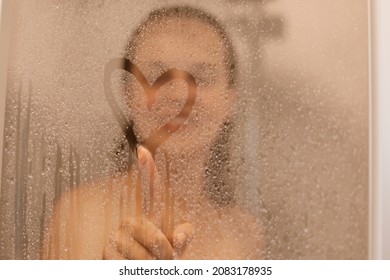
205	75
154	70
152	75
204	81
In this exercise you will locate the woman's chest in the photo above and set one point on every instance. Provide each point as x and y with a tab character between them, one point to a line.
219	240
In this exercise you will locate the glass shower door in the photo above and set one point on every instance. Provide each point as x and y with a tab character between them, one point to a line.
255	115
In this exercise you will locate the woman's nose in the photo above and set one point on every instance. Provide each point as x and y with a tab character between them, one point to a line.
175	91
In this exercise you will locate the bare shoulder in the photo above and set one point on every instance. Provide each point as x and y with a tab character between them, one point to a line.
227	233
249	231
81	222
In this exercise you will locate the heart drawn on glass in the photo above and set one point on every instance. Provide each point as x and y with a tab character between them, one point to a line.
158	135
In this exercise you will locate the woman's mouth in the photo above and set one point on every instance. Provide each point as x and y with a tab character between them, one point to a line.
176	123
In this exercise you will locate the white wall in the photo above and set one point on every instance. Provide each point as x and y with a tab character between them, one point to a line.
380	198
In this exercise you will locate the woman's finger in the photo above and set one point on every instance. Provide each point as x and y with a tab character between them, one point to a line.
182	235
130	248
149	181
148	235
111	252
155	192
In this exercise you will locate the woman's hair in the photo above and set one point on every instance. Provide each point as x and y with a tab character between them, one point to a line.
187	13
218	168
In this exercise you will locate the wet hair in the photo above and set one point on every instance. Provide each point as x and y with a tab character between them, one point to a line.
218	168
187	12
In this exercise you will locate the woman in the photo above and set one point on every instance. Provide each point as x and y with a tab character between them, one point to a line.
174	202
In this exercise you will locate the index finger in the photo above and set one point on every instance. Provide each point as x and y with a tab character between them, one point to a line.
153	189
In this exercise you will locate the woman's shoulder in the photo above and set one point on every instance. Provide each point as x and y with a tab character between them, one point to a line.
249	231
242	216
237	234
82	219
92	194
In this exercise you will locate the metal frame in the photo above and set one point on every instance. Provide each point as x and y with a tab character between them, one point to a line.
379	232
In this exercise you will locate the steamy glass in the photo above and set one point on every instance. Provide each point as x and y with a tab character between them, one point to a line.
186	130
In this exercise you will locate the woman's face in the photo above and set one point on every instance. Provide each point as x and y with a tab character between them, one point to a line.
192	46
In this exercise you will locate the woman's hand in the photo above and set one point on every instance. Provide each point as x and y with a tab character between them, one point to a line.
146	237
138	239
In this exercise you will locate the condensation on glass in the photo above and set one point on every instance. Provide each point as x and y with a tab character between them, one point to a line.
273	165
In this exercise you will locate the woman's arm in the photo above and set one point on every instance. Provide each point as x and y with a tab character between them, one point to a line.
86	224
146	236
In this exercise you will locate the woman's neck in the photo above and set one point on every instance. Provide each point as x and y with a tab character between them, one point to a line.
187	177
